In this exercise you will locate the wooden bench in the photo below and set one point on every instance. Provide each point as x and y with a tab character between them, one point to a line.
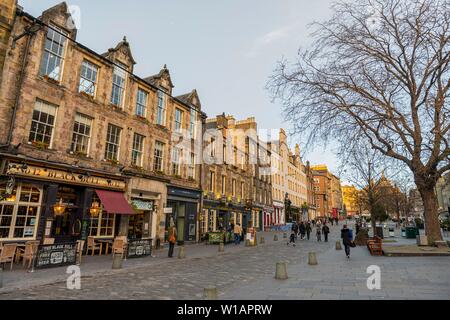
375	246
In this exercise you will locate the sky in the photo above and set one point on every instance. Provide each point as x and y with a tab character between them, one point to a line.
224	49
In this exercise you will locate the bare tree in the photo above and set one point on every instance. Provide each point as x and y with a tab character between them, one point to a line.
378	72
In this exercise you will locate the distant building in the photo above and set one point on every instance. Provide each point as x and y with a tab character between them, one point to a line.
443	195
417	209
349	194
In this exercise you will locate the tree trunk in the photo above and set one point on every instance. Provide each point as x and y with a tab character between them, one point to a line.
430	203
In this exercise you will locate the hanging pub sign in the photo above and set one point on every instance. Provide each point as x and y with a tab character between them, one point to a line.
56	255
139	248
42	173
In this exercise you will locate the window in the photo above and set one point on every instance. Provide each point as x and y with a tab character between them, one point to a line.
224	185
43	123
138	149
118	87
212	176
103	224
158	155
161	112
88	78
242	190
141	103
176	157
53	57
81	134
192	120
191	169
224	154
19	212
316	189
112	143
178	120
233	187
213	147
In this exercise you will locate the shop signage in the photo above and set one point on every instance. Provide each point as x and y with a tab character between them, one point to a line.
139	248
63	176
184	193
142	205
56	255
167	210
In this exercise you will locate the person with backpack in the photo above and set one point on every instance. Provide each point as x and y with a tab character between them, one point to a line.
308	229
302	230
347	240
172	239
295	229
319	232
326	231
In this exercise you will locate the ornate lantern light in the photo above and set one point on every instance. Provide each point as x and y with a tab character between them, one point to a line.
95	209
59	208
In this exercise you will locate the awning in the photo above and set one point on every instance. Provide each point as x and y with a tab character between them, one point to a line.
114	202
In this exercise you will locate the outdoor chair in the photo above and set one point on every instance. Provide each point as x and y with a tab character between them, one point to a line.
118	247
49	241
92	245
27	254
8	254
80	247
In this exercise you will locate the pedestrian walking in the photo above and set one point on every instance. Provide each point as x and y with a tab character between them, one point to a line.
346	240
308	229
326	231
332	221
337	221
319	233
172	239
237	234
295	229
302	229
292	238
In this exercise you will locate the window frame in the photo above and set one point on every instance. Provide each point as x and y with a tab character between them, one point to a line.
161	108
83	135
97	69
64	35
114	144
119	69
52	126
139	153
160	157
139	104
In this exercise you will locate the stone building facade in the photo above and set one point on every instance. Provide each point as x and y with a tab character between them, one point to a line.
87	133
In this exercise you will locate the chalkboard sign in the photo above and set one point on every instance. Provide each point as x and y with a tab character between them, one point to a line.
56	255
139	248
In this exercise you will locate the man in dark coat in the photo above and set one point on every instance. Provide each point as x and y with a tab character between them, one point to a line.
302	230
325	231
308	229
346	240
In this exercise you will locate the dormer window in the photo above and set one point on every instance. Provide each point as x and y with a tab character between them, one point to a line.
53	57
118	87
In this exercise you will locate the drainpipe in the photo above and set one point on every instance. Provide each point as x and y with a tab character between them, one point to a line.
29	31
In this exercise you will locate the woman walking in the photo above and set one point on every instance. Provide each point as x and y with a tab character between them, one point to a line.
172	239
319	233
346	240
308	229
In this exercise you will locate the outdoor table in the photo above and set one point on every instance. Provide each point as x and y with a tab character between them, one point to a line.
107	242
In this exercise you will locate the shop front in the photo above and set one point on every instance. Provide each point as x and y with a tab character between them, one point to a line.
267	220
185	205
54	205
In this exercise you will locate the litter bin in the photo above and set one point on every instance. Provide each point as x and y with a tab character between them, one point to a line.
404	232
391	232
412	232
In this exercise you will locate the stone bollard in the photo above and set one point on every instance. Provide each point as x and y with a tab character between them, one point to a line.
275	238
221	247
281	271
261	240
181	253
285	235
312	259
210	293
338	245
117	262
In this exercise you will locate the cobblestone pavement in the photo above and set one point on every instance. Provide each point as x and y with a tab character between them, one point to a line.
248	273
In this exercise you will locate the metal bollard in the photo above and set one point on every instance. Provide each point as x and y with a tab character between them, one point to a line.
312	259
210	293
262	240
338	245
117	262
281	271
221	247
181	253
275	238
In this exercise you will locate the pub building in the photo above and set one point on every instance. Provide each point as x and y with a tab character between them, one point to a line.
39	201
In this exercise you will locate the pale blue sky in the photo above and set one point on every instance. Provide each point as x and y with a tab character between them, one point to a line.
224	49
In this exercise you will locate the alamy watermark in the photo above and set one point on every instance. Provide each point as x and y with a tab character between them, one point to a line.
374	280
74	279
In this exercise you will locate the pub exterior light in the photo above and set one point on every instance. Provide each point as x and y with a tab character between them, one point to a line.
95	209
59	208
